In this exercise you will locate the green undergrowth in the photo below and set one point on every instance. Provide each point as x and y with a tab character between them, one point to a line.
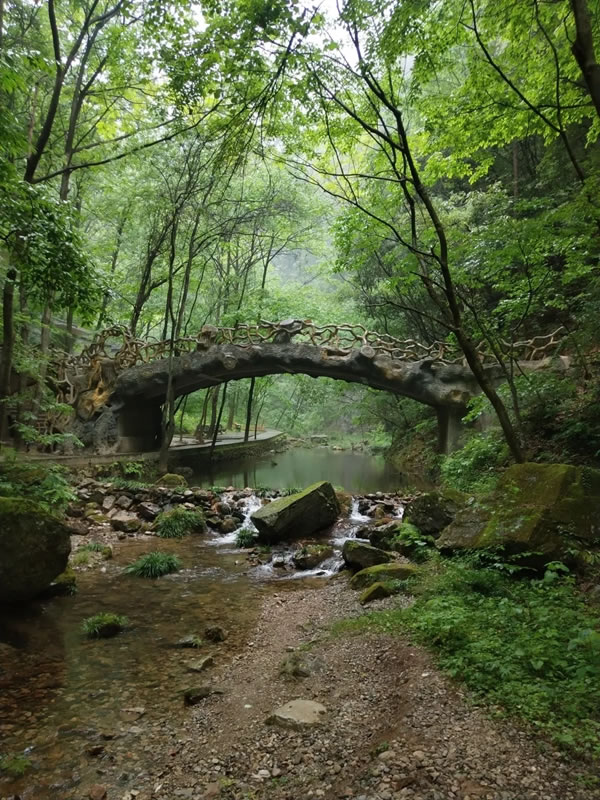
154	565
179	522
529	648
15	766
47	484
128	484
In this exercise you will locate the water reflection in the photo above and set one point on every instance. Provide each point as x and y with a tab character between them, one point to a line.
301	466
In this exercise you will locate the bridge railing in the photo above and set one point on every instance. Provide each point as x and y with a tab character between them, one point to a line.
124	350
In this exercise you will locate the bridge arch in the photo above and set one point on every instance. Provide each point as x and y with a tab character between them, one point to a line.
130	420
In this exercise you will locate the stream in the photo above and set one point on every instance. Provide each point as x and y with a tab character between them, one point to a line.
62	696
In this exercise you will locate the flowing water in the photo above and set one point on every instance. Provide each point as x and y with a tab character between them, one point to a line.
61	695
356	472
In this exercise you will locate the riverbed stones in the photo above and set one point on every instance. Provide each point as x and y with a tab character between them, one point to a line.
298	515
148	511
547	511
358	555
194	695
128	523
34	549
395	571
298	714
311	555
200	664
215	633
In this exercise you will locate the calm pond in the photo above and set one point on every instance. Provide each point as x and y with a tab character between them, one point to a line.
298	467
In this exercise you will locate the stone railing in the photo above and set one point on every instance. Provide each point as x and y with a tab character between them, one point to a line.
124	350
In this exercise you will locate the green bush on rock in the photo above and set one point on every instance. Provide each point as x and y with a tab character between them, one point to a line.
178	522
154	565
171	480
104	625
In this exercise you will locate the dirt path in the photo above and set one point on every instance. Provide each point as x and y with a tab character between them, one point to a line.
395	728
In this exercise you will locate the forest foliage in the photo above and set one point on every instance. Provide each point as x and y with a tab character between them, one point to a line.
429	170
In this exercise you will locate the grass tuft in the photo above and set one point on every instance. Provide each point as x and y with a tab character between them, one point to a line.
178	522
245	538
14	766
154	565
104	625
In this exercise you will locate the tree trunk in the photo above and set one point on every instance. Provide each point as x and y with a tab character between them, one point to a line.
216	430
249	410
213	411
584	52
8	330
233	398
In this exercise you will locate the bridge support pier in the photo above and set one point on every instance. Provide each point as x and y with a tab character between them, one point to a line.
450	428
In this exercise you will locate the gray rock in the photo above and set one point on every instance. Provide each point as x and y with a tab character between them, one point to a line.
108	502
300	514
149	511
124	502
200	664
359	555
298	714
125	522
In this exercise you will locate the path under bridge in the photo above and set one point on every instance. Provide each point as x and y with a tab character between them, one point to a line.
118	384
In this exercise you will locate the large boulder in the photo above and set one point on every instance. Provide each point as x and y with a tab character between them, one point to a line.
297	515
547	511
359	555
395	571
433	511
34	549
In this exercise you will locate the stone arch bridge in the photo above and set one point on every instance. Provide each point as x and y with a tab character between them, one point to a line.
118	384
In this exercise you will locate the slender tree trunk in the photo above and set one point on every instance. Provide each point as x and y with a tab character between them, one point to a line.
8	345
216	430
249	410
233	398
213	411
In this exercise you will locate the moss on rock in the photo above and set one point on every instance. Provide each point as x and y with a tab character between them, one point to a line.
383	572
433	511
297	515
34	549
548	511
358	555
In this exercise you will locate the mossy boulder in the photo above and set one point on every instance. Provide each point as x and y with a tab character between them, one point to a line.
34	549
376	591
171	480
298	515
358	555
383	536
383	572
433	511
547	511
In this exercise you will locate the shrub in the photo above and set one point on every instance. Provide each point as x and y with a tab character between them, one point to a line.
154	565
104	625
475	466
178	522
411	542
47	484
245	538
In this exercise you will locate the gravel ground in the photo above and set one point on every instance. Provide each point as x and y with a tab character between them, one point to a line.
395	728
